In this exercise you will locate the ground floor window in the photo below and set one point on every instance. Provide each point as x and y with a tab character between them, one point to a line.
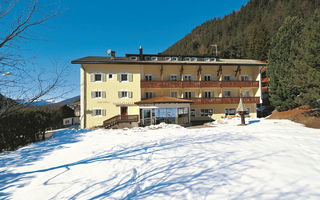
167	115
206	112
192	112
98	112
230	111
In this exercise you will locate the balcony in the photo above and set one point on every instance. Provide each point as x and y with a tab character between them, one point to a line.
197	84
225	100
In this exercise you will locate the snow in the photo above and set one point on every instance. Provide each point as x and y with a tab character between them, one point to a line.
270	159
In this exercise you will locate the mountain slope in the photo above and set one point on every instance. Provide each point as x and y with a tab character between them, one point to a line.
243	34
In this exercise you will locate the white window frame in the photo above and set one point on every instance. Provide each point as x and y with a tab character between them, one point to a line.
148	75
102	112
174	92
246	91
124	74
94	76
194	59
95	96
227	91
148	92
192	94
127	96
154	58
176	75
207	91
187	59
248	77
133	58
208	75
227	75
112	75
189	77
206	114
167	58
174	59
147	58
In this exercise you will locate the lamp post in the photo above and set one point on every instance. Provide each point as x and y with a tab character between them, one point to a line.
241	110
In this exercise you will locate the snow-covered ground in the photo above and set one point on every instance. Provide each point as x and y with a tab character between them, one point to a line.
272	159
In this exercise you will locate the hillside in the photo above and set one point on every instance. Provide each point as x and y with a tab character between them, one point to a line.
245	33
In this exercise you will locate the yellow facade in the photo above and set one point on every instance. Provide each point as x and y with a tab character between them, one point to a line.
112	103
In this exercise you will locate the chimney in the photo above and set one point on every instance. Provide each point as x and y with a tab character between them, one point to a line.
113	54
140	53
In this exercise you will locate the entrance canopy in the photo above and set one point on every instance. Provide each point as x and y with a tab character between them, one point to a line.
164	109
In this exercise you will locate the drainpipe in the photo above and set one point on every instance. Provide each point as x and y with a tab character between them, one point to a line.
260	84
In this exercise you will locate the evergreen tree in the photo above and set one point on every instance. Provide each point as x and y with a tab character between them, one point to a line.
306	75
281	58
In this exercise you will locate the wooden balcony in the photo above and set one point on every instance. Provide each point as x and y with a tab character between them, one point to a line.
225	100
197	84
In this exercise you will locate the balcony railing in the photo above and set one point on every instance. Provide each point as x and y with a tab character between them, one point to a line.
225	100
197	84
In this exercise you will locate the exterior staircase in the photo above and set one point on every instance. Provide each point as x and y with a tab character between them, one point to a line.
120	119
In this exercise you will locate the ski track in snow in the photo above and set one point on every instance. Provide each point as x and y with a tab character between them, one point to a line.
272	159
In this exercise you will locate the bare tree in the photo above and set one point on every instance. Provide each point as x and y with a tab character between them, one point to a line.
15	28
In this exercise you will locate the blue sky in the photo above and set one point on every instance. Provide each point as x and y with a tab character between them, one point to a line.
89	28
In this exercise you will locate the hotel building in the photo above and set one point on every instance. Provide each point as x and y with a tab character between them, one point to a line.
143	89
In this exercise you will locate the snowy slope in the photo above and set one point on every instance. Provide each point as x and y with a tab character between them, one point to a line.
273	159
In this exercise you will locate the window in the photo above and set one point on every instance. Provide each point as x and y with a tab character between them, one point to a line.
244	78
207	77
230	111
174	94
174	58
194	59
226	93
167	58
98	94
207	94
206	59
245	93
110	76
148	95
187	58
124	77
125	94
187	77
206	112
147	58
193	112
173	77
148	77
97	77
188	95
153	58
133	58
227	78
213	59
98	112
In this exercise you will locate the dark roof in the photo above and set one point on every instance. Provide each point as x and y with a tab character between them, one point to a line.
164	100
125	60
